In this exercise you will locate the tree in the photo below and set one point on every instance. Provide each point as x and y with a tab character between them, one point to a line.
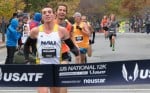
8	7
37	6
124	8
133	7
112	6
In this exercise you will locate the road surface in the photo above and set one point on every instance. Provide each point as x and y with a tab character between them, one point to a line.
129	46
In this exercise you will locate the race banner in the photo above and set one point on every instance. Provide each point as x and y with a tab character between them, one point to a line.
75	75
26	75
106	73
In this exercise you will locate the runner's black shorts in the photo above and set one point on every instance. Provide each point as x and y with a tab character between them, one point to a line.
66	56
110	34
90	41
105	28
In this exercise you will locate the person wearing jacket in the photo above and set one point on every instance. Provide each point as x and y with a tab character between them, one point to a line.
31	43
12	38
36	20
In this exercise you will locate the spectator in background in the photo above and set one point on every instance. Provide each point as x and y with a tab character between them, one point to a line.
15	15
12	37
26	29
36	20
34	23
3	29
147	24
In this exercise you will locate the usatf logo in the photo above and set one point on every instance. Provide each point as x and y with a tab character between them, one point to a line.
130	77
19	77
137	73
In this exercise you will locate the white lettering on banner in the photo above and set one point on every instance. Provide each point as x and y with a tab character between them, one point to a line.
82	67
38	76
63	69
137	73
144	74
72	81
94	81
96	72
18	77
73	73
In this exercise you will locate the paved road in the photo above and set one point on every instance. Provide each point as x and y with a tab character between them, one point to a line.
129	46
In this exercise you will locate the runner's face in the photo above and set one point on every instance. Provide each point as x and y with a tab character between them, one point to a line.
47	15
61	12
105	17
84	19
112	17
25	20
77	19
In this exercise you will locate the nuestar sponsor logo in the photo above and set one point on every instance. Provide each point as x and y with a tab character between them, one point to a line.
94	81
137	73
20	77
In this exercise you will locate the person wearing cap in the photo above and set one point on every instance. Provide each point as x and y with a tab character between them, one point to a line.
81	35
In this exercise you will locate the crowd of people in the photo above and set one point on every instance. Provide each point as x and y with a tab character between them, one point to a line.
139	24
50	37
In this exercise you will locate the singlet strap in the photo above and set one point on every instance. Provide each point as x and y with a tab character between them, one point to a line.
55	28
41	29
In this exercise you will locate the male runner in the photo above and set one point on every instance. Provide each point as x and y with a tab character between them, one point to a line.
89	51
50	53
81	35
61	12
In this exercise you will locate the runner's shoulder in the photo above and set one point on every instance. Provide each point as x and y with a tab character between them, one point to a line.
62	29
34	31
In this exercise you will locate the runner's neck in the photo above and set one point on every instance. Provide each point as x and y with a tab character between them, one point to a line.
59	21
48	27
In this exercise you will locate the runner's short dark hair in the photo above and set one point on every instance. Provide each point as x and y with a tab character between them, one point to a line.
15	14
48	6
62	5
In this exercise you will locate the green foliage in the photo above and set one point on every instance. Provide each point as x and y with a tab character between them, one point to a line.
133	7
34	6
112	6
8	7
124	8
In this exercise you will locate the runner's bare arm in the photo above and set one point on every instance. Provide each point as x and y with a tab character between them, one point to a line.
91	29
66	38
64	34
34	33
86	29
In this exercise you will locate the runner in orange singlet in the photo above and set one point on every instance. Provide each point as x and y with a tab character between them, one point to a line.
81	35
